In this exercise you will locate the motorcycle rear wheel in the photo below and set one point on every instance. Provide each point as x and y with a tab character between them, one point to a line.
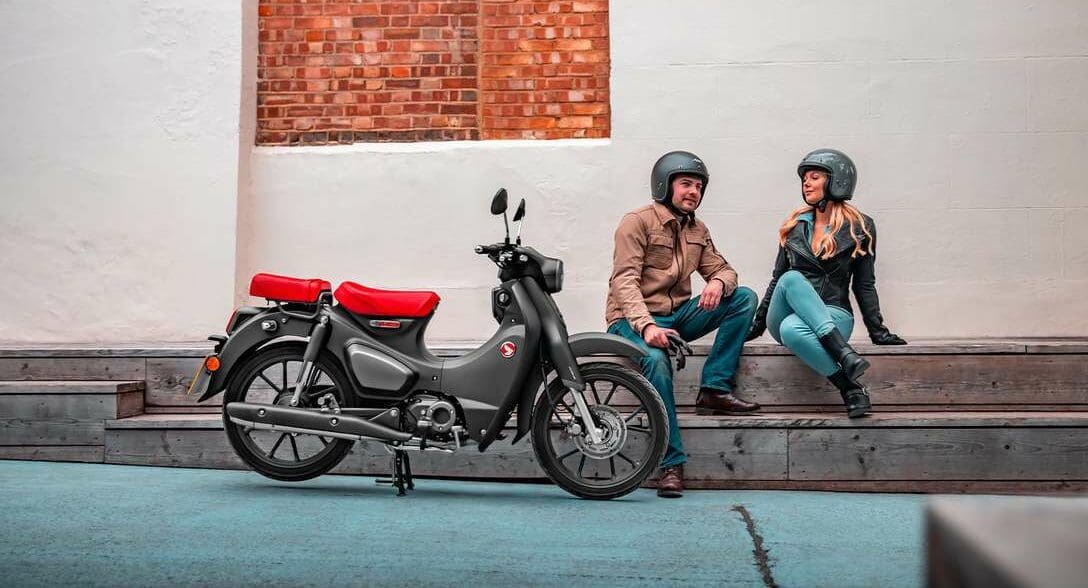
635	433
268	377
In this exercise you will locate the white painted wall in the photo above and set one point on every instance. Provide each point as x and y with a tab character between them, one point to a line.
967	118
127	141
119	171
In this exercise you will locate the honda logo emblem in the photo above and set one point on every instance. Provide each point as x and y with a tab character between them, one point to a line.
508	349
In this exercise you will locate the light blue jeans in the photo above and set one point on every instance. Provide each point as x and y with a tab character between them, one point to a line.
798	317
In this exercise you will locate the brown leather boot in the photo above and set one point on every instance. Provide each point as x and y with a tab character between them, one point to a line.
711	401
671	483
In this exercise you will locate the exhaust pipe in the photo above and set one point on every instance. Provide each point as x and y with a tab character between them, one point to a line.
288	419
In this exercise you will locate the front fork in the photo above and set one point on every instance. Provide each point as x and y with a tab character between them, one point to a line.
592	429
318	337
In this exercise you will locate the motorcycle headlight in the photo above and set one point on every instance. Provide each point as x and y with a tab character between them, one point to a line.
553	275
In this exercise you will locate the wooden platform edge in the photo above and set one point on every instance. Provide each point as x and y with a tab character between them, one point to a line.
976	346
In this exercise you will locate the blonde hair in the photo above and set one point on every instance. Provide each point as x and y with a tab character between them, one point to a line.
841	213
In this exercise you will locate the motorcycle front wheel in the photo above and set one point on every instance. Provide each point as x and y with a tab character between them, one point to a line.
268	377
634	433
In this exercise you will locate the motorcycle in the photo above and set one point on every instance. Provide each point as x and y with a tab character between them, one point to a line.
316	370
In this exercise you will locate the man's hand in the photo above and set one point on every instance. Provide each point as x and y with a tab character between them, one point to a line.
656	336
711	296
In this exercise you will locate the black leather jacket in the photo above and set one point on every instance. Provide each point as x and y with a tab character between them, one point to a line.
830	277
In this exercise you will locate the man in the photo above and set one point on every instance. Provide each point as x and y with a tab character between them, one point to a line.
658	246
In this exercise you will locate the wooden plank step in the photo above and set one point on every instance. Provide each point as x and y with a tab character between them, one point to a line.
784	383
67	413
912	452
75	453
453	347
939	375
791	420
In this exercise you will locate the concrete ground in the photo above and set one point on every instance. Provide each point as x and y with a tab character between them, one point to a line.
105	525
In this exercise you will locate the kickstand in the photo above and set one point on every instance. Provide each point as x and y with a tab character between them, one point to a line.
402	473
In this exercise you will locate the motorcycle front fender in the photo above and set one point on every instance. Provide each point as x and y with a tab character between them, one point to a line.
251	336
580	345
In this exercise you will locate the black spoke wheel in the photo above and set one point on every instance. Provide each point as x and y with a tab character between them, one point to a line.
269	377
634	433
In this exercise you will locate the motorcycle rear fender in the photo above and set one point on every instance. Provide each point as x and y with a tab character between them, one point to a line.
581	345
250	337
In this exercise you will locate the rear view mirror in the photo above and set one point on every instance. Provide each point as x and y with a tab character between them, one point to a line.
520	214
498	203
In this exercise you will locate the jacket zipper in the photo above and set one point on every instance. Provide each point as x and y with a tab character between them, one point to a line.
679	270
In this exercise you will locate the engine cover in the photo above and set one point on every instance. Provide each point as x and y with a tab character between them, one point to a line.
432	414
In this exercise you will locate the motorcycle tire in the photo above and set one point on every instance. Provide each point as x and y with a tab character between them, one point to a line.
245	375
652	426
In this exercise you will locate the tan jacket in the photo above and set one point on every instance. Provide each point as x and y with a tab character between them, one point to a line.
653	262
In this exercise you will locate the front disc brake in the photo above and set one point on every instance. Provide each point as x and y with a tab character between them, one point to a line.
613	434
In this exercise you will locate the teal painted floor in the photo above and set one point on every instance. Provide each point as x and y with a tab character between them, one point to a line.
105	525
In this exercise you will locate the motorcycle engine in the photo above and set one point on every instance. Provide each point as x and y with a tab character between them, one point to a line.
430	416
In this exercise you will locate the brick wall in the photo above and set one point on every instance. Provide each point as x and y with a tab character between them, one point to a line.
544	69
344	71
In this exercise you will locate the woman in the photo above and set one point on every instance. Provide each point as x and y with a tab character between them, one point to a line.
824	246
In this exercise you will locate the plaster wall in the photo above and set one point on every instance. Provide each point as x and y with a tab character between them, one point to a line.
134	207
119	173
966	118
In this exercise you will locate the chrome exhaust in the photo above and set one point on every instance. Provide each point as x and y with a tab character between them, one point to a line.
288	419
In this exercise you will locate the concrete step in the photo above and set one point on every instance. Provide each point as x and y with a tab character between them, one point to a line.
987	541
936	375
956	451
63	421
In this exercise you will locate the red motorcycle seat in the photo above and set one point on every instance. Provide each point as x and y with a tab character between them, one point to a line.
285	289
391	303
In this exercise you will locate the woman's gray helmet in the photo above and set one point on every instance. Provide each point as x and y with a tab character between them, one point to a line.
671	165
842	175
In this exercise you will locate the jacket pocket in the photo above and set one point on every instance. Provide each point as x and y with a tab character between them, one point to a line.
659	252
693	249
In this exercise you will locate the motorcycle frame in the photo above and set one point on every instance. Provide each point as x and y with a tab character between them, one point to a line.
486	385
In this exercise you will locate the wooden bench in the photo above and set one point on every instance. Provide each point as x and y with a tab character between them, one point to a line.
980	415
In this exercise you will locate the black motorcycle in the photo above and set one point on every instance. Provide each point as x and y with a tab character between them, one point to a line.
307	376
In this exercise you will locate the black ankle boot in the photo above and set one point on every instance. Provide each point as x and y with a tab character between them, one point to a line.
854	395
853	364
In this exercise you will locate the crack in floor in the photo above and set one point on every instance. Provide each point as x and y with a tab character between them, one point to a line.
762	561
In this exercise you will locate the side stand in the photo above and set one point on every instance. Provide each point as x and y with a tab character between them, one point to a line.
402	473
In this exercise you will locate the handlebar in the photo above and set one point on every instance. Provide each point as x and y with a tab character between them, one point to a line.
489	249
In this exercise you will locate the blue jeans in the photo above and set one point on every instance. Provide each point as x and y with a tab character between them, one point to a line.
798	317
732	318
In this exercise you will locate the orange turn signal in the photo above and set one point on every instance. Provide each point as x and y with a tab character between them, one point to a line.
211	363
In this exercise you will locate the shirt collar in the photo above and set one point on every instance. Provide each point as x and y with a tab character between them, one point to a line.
665	214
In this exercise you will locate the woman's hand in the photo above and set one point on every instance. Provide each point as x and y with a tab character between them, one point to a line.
887	338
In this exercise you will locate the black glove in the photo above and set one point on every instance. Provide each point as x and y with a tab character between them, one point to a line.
680	349
757	329
887	338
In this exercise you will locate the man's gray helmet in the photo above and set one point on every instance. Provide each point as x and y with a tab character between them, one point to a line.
842	175
669	166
